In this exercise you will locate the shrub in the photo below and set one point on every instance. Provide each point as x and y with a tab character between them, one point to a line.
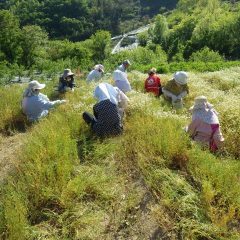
206	55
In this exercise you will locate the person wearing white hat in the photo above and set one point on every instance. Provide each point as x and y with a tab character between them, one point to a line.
176	89
108	111
66	81
124	66
36	105
204	127
96	74
121	81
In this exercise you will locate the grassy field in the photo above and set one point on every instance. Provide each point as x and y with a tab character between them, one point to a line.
150	183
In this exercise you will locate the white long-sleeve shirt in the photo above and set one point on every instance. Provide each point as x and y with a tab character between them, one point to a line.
94	75
37	106
121	81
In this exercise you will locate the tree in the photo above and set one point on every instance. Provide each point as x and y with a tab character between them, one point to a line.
101	45
160	30
33	42
9	36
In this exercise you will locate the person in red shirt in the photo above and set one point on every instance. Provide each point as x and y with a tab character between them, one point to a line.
153	83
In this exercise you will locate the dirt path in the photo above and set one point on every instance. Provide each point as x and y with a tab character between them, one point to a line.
9	146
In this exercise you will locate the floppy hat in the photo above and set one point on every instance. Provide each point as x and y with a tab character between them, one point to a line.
200	102
99	67
127	62
181	77
36	85
67	72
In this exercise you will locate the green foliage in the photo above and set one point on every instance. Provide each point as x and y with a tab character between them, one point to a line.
101	45
143	38
9	37
206	55
160	31
33	44
142	58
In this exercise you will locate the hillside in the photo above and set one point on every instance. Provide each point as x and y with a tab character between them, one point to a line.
78	20
149	183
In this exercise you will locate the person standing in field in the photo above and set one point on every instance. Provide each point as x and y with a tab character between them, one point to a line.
176	89
108	111
153	83
204	127
66	81
120	77
36	105
96	74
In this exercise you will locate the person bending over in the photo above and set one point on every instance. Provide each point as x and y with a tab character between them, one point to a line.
108	111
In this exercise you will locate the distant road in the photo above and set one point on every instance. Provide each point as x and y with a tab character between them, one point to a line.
118	48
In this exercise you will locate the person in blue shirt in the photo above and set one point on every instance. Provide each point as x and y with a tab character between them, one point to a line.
36	105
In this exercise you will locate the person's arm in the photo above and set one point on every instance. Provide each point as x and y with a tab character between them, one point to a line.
169	94
181	95
192	128
46	105
72	83
123	99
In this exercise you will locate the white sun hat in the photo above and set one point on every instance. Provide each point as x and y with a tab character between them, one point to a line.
200	102
36	85
99	67
181	77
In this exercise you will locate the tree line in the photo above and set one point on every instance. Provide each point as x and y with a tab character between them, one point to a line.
195	31
79	19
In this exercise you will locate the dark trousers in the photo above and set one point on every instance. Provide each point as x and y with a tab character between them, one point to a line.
89	118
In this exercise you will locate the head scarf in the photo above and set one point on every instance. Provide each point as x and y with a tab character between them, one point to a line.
207	114
105	91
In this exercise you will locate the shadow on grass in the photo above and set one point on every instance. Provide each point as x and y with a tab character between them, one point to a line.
86	146
17	124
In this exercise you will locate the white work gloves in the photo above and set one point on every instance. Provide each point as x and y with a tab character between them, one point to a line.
58	102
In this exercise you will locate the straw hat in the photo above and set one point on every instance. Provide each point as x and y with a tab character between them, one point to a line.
181	77
36	85
152	70
67	72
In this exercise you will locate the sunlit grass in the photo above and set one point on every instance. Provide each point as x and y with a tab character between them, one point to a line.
70	185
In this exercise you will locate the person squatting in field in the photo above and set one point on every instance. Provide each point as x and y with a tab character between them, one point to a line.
96	74
153	83
176	89
36	105
108	111
66	81
120	77
204	127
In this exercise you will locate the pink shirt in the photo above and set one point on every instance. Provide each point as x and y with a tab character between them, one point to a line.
202	132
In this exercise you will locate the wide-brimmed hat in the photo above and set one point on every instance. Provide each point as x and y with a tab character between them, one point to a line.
152	70
200	102
126	62
181	77
67	72
99	67
36	85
